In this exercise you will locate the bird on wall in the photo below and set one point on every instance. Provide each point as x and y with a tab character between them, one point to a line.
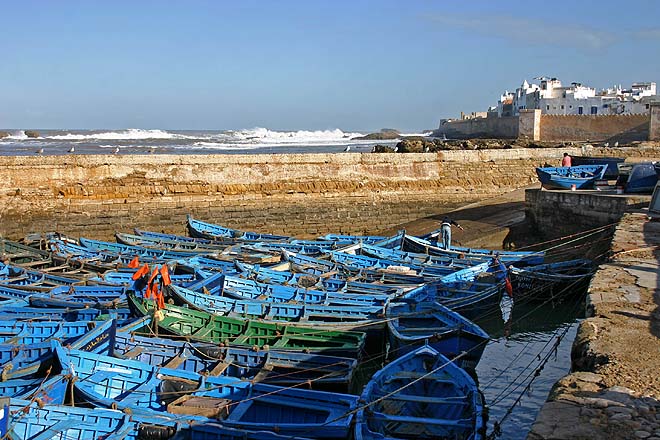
396	148
347	149
116	151
427	149
616	144
607	144
72	150
40	151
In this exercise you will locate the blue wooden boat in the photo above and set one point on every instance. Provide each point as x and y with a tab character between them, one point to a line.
31	332
583	176
168	244
61	314
198	228
321	316
110	382
19	253
370	239
358	262
450	262
36	359
51	390
413	324
22	278
552	280
469	291
639	178
315	266
611	172
80	297
28	420
272	367
326	282
241	288
421	395
421	246
123	249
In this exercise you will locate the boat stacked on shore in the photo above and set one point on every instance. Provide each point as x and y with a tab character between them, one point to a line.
240	335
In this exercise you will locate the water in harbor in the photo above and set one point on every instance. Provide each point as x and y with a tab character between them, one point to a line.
508	364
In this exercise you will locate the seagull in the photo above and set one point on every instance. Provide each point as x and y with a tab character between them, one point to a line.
607	144
72	150
40	151
427	149
396	148
116	151
347	149
616	144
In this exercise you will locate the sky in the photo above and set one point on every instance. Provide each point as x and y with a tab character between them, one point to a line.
306	64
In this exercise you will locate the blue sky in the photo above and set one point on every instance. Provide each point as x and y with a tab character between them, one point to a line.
308	64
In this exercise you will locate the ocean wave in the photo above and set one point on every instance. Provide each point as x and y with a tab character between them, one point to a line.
264	135
18	135
129	134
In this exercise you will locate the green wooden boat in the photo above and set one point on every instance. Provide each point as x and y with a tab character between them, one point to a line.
195	325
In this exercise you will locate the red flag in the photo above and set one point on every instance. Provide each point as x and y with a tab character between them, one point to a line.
160	300
141	272
147	292
153	276
508	287
165	275
134	263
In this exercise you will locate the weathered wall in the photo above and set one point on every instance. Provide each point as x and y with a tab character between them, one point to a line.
622	128
562	213
492	127
301	194
654	124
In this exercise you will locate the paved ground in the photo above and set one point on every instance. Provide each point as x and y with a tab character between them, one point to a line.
487	223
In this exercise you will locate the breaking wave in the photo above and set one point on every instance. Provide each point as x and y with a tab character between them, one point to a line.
129	134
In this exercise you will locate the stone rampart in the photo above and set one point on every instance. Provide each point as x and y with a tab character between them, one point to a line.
490	127
299	194
622	128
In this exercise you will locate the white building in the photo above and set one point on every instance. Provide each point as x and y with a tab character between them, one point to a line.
552	98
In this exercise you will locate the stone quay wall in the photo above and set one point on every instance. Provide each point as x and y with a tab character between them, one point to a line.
562	213
299	194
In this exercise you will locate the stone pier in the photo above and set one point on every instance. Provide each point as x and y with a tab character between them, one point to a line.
613	391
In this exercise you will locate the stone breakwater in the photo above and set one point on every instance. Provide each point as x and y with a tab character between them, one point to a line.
614	390
299	194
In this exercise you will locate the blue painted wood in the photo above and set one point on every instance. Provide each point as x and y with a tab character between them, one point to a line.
359	317
413	324
198	228
420	395
107	381
583	176
272	367
419	245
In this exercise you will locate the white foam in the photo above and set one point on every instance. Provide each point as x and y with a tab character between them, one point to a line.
129	134
265	136
19	135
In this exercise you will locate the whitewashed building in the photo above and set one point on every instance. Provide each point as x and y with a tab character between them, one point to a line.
552	98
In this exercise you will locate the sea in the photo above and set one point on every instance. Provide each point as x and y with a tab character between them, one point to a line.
142	141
